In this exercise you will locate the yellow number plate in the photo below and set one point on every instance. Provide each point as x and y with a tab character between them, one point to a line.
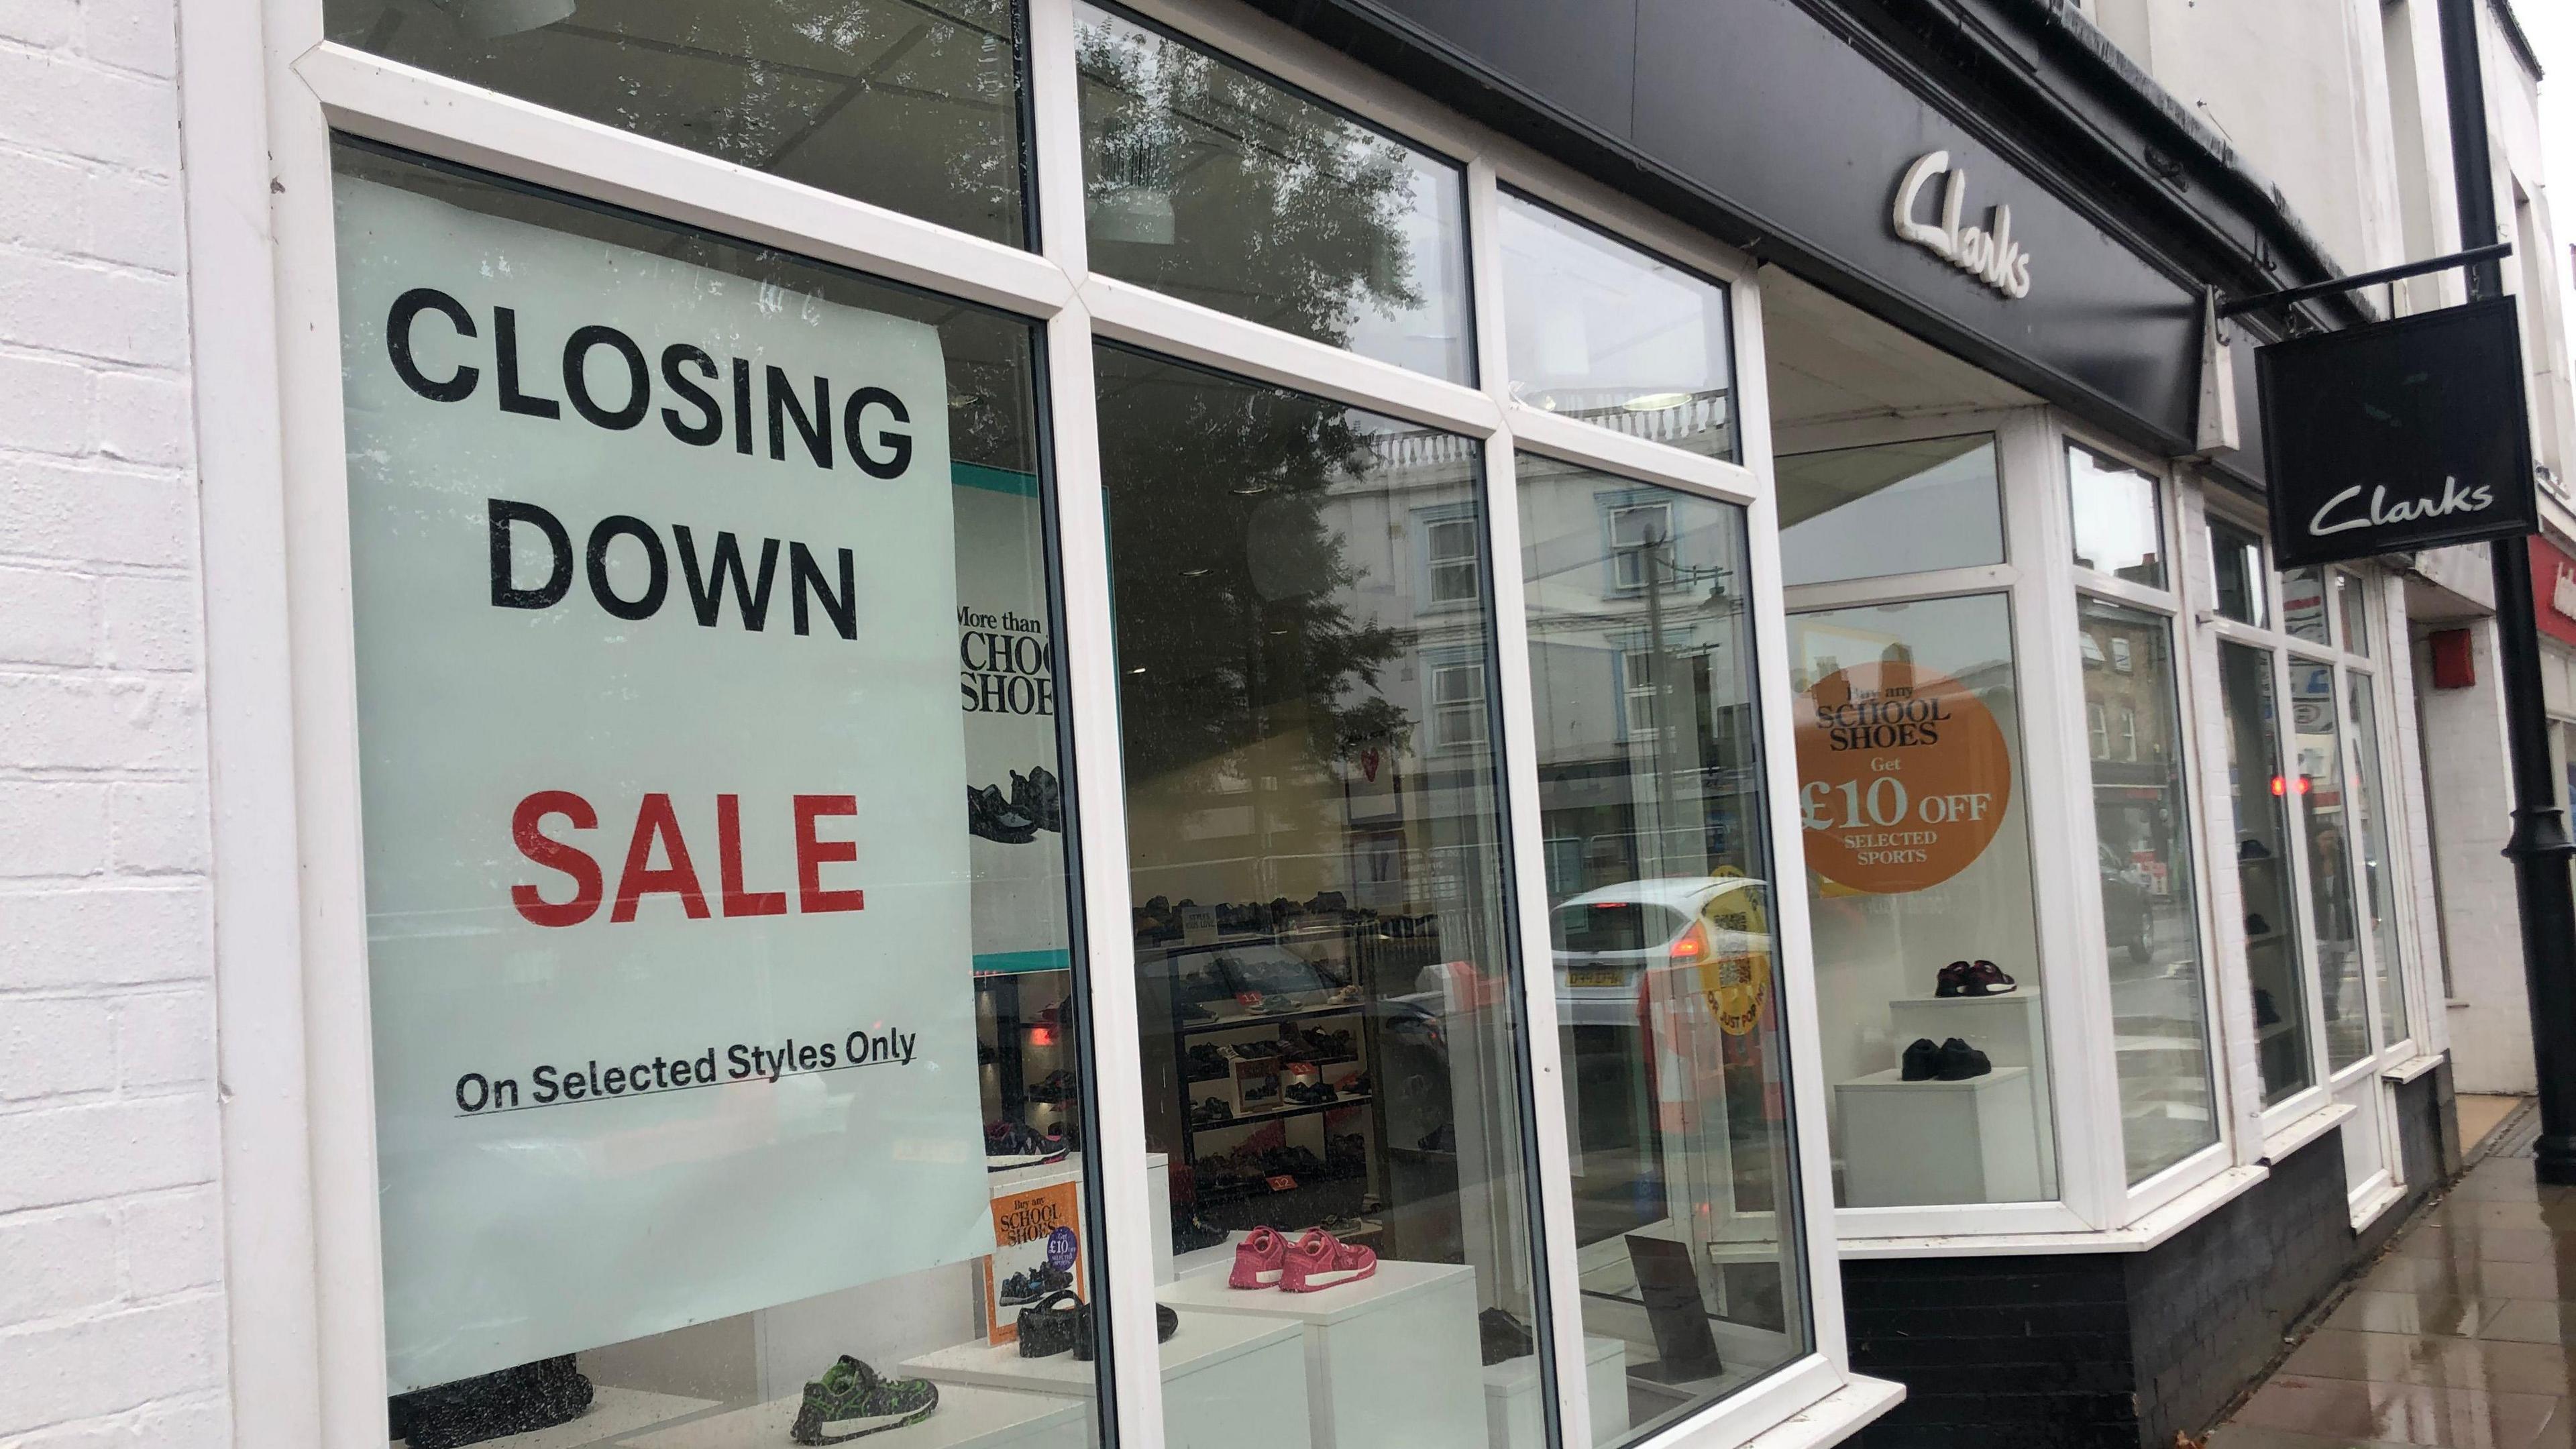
1595	976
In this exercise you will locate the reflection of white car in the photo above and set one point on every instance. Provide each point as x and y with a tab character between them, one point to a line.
1608	939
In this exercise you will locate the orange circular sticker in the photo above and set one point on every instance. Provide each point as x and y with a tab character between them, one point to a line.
1903	777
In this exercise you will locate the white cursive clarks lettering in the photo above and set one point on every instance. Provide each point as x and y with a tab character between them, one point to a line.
1987	253
2454	499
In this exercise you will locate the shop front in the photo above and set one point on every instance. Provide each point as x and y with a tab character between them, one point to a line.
1047	724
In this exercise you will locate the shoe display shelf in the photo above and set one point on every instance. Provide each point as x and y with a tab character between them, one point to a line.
968	1417
1391	1361
1514	1418
2010	1029
613	1415
1917	1143
1227	1379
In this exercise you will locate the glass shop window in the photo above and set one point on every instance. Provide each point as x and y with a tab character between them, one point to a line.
2320	790
1325	955
2119	520
723	981
2304	613
1667	968
1214	184
1599	330
1919	885
2378	866
1895	508
2150	922
906	105
2237	558
2259	794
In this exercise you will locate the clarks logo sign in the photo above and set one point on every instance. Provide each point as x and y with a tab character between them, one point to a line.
1987	253
2342	513
2397	436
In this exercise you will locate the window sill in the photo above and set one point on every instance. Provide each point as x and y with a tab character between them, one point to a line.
1830	1420
2305	1130
2147	1233
2412	1068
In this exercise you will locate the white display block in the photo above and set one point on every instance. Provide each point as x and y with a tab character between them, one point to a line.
1391	1360
2010	1029
1513	1415
613	1413
1229	1381
1911	1143
968	1418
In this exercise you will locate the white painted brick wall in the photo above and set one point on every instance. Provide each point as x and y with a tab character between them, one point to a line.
111	1246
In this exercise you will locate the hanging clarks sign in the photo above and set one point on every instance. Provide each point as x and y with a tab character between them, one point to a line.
2398	436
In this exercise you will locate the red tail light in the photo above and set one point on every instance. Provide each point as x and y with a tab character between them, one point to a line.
1690	945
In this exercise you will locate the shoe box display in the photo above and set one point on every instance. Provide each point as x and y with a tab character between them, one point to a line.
1963	1114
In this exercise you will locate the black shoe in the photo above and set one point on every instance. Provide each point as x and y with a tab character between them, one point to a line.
1039	796
508	1401
1505	1337
2255	925
1191	1233
1960	1062
1211	1111
1443	1138
2251	849
992	817
1206	1063
2265	1014
1922	1060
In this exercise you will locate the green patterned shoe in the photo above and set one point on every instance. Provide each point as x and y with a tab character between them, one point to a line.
850	1400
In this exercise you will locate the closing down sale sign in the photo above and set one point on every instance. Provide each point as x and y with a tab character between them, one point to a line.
661	761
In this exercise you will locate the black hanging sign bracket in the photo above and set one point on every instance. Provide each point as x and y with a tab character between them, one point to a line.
2470	258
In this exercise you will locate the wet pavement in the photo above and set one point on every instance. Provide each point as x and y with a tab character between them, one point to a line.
2463	1337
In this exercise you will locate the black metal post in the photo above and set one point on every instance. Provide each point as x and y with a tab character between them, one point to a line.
2540	849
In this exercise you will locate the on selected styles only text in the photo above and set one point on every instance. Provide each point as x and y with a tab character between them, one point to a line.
549	1084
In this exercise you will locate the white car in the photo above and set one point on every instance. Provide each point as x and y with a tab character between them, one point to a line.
1607	940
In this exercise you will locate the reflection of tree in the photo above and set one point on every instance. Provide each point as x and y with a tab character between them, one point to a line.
1213	185
1230	586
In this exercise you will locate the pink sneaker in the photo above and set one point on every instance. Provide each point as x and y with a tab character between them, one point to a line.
1321	1260
1258	1260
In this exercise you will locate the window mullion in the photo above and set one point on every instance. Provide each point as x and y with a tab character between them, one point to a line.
1090	672
1089	667
1570	1402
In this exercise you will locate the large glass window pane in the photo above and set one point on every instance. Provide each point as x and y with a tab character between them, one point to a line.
1896	508
1324	947
2142	822
2303	606
2236	557
2372	837
1599	330
1676	1070
1206	181
2319	788
1919	883
715	835
909	105
2352	608
2119	522
2259	795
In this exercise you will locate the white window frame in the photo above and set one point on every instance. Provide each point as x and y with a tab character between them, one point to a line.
260	104
2200	1169
2332	1098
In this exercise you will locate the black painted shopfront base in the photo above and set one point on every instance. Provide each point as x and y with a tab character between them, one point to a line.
2122	1350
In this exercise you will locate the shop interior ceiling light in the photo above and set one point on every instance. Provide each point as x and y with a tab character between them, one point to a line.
1656	402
